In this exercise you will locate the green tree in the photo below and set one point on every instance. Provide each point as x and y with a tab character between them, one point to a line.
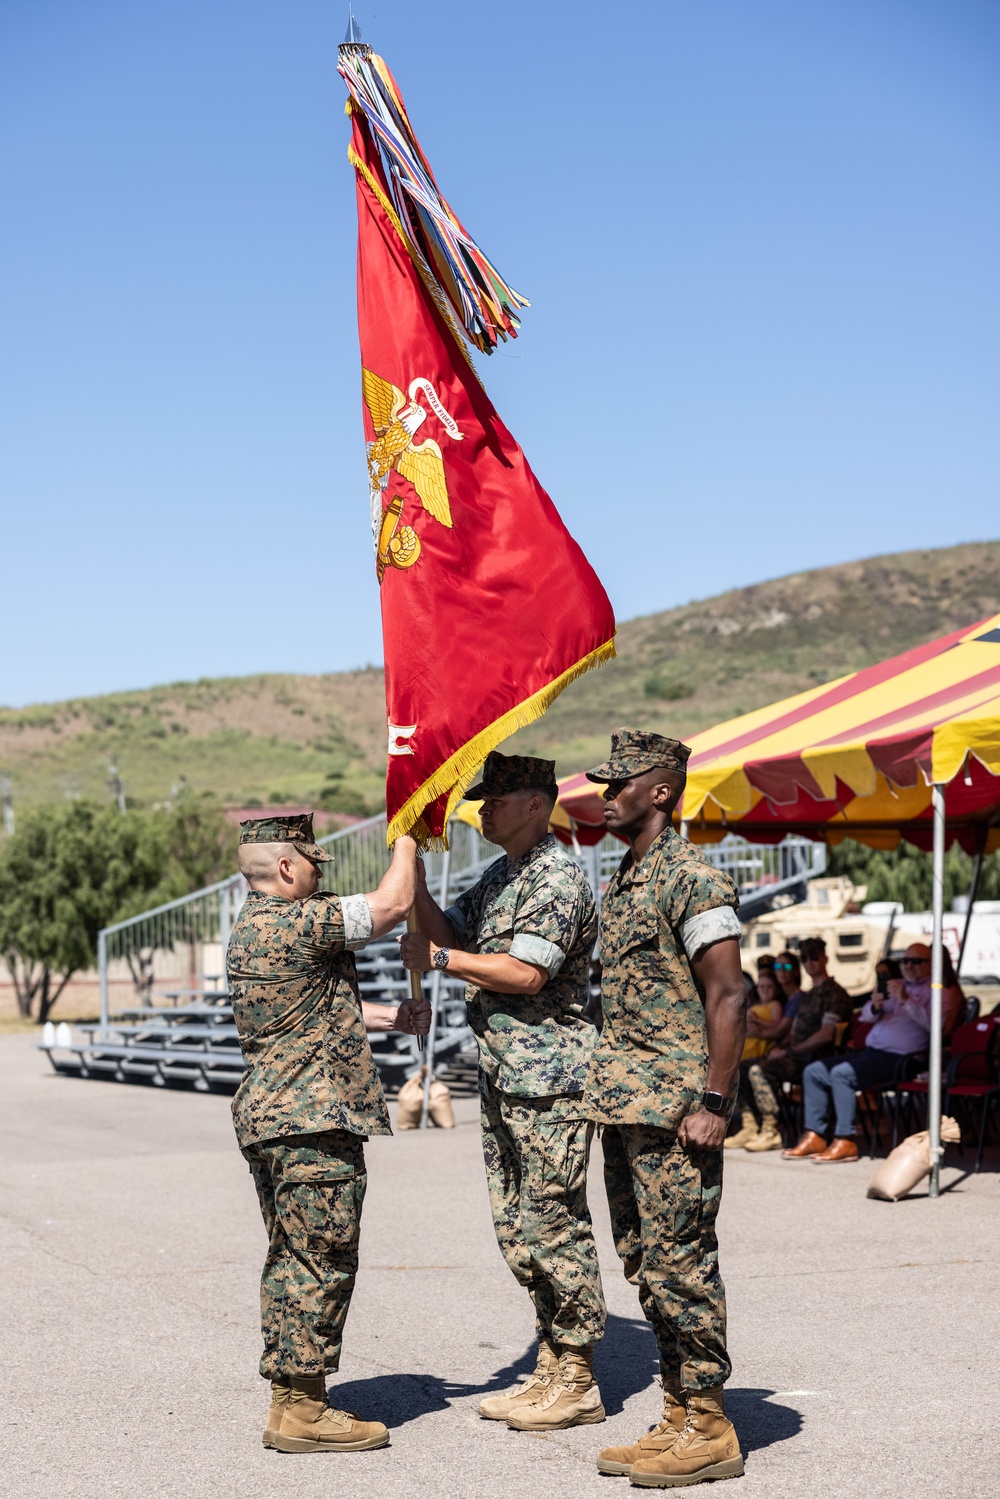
66	873
904	873
200	847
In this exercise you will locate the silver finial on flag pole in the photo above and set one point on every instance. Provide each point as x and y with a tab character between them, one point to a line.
352	42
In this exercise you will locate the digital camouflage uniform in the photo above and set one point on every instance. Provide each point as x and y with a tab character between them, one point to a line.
534	1052
309	1098
825	1003
648	1073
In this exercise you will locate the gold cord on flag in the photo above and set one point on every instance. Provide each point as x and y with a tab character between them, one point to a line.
423	269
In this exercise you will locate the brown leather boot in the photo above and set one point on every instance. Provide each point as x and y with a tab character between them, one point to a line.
308	1424
572	1399
768	1136
809	1144
840	1149
746	1132
708	1447
619	1460
280	1391
499	1407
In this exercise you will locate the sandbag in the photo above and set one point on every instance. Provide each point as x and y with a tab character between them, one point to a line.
441	1111
410	1102
909	1163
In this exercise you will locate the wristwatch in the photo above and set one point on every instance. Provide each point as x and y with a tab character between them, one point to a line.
440	958
715	1103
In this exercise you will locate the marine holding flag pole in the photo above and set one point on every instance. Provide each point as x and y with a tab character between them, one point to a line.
489	607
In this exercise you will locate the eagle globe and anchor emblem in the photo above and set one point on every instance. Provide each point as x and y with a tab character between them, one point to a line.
397	418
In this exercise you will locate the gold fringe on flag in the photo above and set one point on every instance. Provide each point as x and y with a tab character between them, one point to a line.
459	770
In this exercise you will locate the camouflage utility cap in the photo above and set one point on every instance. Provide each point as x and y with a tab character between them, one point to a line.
297	830
504	773
633	752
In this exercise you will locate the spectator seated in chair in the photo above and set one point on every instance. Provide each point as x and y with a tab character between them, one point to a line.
901	1021
765	1021
811	1034
788	972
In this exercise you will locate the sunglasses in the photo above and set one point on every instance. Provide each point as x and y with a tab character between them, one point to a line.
913	962
785	967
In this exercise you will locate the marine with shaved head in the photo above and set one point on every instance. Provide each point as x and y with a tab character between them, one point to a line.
308	1100
662	1084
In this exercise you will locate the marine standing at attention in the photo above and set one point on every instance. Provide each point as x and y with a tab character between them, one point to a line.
523	939
309	1099
662	1083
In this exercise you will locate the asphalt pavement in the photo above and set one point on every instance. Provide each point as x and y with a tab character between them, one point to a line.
864	1335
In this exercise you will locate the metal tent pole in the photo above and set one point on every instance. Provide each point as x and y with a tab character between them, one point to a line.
437	978
977	870
937	970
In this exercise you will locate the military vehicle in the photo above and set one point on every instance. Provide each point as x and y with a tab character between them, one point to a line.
857	935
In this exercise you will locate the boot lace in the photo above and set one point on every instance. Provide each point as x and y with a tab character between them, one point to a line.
333	1413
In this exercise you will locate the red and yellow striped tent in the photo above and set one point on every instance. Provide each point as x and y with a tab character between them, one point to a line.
858	757
854	758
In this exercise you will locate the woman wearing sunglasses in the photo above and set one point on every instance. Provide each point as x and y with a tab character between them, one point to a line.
788	972
779	987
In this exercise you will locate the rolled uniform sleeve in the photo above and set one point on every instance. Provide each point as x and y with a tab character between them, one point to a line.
701	907
537	950
357	915
700	931
548	923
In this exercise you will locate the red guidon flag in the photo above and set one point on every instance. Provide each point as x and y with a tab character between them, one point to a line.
489	607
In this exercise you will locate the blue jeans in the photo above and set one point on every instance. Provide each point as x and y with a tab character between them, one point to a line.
844	1077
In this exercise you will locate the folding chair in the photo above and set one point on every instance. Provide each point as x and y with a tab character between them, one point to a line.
974	1072
973	1068
869	1113
907	1090
790	1121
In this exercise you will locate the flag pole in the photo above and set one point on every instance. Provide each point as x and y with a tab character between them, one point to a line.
437	979
416	979
937	975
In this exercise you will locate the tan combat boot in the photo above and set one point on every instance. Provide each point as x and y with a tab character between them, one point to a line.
572	1399
308	1424
746	1132
499	1407
619	1460
708	1447
280	1391
769	1136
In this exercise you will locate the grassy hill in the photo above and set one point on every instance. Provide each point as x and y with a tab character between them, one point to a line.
282	739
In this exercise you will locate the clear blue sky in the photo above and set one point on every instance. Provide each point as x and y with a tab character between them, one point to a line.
760	238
